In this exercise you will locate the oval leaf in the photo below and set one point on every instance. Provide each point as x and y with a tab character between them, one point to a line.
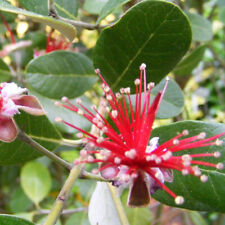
65	28
208	196
35	181
53	112
201	27
61	73
13	220
37	127
186	66
154	32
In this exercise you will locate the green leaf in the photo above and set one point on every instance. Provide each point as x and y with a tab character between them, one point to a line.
186	66
71	117
35	181
19	202
65	8
65	28
153	32
173	99
136	216
222	15
5	73
80	218
109	7
94	6
13	220
201	27
197	218
61	73
208	196
221	2
37	127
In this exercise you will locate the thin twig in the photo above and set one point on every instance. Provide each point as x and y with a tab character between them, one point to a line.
28	140
64	212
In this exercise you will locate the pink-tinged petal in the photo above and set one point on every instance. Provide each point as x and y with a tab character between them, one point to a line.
8	130
109	172
29	104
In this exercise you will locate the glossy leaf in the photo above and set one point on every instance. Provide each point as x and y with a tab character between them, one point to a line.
101	208
94	6
201	27
65	8
71	117
154	32
13	220
173	99
208	196
37	127
66	29
109	7
186	66
61	73
35	181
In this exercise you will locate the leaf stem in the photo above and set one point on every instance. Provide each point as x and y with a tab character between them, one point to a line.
28	140
82	24
118	205
63	196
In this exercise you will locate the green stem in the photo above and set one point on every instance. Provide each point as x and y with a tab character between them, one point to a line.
118	205
63	196
90	176
28	140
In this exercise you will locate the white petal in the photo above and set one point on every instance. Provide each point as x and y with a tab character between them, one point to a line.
10	90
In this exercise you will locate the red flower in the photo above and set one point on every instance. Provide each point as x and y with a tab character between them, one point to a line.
54	44
11	101
127	155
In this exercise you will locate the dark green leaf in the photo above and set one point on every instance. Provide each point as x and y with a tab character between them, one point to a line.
94	6
208	196
40	129
61	73
154	32
186	66
35	181
13	220
109	7
65	28
201	27
71	117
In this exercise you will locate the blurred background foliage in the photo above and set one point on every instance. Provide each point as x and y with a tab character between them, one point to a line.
29	190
